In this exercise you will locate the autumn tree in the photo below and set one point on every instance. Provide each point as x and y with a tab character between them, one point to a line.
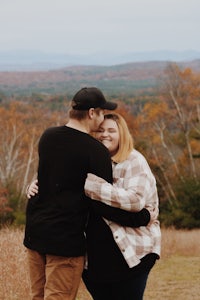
21	126
182	92
171	139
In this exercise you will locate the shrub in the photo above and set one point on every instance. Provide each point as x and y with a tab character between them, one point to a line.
185	213
6	212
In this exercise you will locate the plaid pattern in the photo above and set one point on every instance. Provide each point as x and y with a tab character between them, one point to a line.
134	187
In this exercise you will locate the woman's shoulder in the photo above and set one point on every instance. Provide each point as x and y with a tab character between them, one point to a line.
136	158
136	155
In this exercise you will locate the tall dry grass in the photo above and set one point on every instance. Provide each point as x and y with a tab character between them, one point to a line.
177	274
176	245
180	242
14	276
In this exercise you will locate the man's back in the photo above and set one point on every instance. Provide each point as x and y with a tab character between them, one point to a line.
56	217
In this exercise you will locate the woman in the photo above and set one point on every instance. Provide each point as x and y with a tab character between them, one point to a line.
119	257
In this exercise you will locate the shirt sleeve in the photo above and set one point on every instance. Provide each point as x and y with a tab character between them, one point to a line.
132	196
122	217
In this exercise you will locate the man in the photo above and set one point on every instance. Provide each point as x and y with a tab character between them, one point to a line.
56	216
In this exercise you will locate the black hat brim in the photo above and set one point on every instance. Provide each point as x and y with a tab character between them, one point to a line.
109	105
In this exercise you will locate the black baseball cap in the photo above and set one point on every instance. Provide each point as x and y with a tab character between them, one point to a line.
91	97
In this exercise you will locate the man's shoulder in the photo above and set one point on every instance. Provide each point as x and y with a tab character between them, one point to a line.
52	129
48	130
49	134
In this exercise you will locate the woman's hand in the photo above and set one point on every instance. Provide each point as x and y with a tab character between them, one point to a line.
32	189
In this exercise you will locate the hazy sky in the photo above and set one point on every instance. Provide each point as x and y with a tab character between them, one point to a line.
89	26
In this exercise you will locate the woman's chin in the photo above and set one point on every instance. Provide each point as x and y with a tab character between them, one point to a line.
106	144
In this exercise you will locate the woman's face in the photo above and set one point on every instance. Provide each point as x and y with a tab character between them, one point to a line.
108	134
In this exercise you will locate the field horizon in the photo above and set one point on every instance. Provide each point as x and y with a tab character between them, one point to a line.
175	276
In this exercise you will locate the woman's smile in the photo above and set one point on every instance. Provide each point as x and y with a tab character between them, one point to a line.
108	134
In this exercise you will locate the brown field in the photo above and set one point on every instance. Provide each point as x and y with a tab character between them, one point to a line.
175	276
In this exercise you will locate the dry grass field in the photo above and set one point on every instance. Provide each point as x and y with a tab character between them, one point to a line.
175	276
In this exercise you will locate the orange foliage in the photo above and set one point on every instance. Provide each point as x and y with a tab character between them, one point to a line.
165	130
22	125
130	119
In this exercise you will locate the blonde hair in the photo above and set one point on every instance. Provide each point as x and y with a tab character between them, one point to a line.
125	138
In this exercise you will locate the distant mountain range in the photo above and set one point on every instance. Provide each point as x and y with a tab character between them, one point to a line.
131	78
36	60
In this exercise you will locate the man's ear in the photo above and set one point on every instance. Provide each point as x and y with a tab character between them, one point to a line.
91	113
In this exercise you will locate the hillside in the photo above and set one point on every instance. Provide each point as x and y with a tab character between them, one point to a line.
32	60
130	78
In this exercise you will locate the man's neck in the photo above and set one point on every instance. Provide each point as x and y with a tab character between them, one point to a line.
78	125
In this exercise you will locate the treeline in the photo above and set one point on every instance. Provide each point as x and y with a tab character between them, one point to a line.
130	79
165	128
113	80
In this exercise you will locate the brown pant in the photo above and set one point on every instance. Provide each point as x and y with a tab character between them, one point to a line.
54	277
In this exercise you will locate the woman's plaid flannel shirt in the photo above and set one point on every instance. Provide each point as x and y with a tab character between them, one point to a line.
134	188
